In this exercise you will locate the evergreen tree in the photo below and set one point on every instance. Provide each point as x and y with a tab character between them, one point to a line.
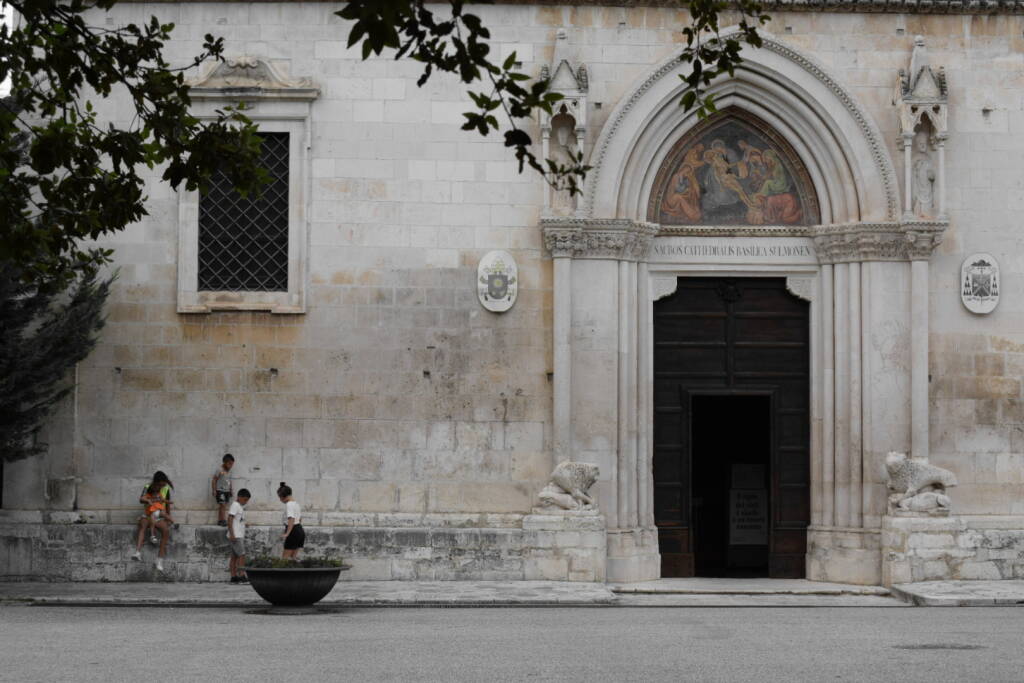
46	330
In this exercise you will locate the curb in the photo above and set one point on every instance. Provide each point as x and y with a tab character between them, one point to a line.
920	600
44	602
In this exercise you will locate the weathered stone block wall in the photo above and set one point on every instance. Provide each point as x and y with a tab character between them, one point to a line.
935	549
395	391
409	547
978	414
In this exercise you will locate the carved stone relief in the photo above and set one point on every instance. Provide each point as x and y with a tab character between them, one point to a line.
917	487
569	486
878	241
979	283
662	287
249	76
801	287
586	238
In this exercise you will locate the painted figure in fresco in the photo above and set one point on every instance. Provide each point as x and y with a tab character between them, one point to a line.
731	180
752	166
682	201
721	186
774	200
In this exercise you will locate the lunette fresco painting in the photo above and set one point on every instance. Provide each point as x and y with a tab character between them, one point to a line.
733	171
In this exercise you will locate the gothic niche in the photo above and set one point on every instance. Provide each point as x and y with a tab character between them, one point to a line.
733	169
921	100
564	130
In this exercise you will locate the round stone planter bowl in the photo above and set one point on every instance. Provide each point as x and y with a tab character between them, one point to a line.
293	587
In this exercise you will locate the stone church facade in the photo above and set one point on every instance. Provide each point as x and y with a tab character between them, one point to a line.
737	321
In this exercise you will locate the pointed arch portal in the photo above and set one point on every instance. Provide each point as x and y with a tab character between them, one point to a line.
755	261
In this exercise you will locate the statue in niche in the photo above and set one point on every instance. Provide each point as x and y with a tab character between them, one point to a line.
569	487
923	174
562	151
916	486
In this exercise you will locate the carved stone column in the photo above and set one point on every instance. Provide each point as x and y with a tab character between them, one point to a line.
922	239
842	547
596	261
561	243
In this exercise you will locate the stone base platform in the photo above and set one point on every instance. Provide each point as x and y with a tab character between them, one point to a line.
962	593
952	548
551	547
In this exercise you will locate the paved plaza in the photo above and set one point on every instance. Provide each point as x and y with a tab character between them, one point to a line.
541	644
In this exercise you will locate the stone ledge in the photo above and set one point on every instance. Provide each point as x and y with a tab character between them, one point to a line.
347	593
102	552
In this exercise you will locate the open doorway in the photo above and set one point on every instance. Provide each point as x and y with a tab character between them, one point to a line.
731	437
732	428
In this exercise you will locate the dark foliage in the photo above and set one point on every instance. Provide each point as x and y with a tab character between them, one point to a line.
64	177
307	562
46	331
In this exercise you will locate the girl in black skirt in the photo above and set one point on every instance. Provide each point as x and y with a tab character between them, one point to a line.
294	537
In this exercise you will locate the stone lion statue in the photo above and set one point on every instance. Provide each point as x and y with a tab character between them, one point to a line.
916	485
569	486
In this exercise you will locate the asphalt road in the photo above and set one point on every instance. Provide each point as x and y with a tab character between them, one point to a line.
512	644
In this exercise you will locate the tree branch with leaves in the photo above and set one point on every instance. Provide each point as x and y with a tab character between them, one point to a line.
459	43
65	177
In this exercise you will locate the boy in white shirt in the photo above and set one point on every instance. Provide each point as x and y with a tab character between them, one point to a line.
236	536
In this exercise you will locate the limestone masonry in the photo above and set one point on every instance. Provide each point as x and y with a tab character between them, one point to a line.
825	213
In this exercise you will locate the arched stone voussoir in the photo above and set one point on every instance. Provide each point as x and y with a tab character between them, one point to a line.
836	139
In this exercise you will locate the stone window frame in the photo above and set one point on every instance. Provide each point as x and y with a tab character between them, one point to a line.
277	105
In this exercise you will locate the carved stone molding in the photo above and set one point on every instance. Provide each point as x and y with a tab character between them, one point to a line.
663	286
801	287
615	238
839	6
251	77
907	241
736	231
869	131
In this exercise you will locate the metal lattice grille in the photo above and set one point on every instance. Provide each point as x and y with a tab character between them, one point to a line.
243	241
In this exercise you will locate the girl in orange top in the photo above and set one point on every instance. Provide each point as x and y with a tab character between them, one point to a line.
156	508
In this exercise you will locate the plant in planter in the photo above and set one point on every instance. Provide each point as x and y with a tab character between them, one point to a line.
294	583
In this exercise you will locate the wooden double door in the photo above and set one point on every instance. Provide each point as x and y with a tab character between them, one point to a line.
732	428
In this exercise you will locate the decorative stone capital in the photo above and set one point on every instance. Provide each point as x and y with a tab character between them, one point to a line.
922	238
663	286
616	238
249	77
855	242
801	287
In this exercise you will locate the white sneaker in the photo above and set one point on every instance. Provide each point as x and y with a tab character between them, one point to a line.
160	564
137	556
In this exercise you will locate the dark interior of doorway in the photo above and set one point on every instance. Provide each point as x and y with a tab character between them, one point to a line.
732	445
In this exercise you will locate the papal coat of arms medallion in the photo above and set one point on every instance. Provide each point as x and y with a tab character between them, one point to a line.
497	281
979	283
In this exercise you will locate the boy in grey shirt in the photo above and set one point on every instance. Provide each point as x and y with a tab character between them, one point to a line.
236	537
222	488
